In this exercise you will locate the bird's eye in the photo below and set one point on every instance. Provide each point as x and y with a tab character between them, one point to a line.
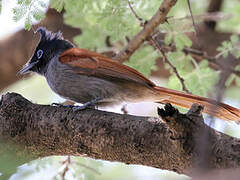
39	53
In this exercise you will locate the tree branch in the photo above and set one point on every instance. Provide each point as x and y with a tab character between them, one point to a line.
155	44
167	144
149	27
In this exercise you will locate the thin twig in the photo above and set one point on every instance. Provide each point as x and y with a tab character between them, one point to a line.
190	10
124	109
162	52
135	14
67	163
213	16
157	46
158	18
213	59
89	168
202	54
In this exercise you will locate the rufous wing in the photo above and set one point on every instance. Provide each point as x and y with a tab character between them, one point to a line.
94	64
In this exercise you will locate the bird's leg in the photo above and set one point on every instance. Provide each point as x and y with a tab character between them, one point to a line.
89	104
62	105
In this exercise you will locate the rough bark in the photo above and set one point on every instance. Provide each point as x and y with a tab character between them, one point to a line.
17	49
169	143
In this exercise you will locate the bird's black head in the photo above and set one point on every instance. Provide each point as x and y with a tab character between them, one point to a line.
49	46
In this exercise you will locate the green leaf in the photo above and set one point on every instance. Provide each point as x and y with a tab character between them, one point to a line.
236	53
28	23
232	24
237	80
199	81
237	68
174	83
181	41
203	64
220	48
181	61
168	39
29	10
38	14
11	156
27	2
42	4
143	60
232	46
234	38
230	80
57	4
103	18
186	40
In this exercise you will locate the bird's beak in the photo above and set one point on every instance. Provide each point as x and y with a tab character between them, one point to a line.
27	67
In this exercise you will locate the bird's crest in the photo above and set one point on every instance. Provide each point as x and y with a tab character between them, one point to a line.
48	35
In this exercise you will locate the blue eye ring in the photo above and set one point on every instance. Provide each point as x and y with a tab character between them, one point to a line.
39	53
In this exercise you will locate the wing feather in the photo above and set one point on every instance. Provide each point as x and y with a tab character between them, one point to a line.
95	64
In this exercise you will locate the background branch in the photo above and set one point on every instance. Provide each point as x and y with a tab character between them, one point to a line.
158	18
200	55
157	46
214	6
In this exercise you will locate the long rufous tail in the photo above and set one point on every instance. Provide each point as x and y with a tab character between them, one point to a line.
211	107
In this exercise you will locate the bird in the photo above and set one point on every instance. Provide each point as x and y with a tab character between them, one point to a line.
90	78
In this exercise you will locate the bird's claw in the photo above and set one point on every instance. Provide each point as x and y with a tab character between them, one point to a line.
91	104
62	105
79	108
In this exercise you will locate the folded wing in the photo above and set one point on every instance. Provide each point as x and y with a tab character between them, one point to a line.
94	64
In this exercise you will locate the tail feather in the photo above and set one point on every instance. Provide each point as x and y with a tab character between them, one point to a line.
211	107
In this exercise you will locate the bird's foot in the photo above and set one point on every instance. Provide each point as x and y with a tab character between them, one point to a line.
62	105
90	104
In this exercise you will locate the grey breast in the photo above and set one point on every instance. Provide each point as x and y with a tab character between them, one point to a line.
70	84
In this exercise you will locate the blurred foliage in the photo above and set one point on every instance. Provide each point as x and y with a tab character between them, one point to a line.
231	47
29	10
51	168
106	18
113	18
54	166
198	78
11	156
231	7
144	60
